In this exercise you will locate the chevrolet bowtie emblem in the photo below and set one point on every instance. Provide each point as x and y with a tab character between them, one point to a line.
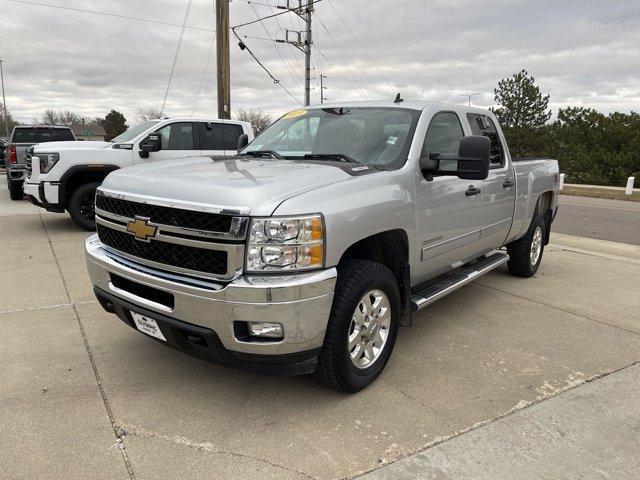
141	229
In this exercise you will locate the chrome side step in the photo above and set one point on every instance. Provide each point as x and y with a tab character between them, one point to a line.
462	276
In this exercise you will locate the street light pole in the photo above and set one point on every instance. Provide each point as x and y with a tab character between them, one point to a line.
470	96
4	102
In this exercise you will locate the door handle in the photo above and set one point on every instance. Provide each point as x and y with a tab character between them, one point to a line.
471	191
508	183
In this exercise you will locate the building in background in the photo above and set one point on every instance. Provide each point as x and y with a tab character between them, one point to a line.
88	133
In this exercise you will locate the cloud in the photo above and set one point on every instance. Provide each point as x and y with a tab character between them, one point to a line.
580	51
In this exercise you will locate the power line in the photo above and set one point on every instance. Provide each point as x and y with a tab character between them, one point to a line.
115	15
275	80
204	74
350	81
175	57
361	46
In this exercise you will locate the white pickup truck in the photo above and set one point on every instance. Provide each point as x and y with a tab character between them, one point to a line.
64	175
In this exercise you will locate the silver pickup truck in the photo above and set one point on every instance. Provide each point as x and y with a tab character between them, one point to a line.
308	251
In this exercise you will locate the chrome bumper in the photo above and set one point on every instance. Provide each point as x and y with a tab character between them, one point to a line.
301	303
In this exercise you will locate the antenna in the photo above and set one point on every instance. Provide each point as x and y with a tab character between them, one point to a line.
398	99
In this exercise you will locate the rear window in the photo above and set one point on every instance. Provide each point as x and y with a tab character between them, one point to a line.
41	135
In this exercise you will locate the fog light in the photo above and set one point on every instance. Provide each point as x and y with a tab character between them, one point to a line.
265	329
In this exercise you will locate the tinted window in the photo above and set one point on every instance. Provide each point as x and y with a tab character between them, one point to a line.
41	135
443	135
483	125
211	136
230	133
177	136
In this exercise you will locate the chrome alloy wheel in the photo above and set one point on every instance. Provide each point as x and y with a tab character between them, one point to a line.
369	329
536	247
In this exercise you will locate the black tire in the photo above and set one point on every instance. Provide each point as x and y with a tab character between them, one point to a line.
355	279
520	262
15	190
81	206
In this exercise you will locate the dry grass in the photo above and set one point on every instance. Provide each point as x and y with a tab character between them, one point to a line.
600	193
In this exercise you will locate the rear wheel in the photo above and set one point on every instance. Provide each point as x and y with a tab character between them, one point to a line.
362	327
81	206
15	190
526	253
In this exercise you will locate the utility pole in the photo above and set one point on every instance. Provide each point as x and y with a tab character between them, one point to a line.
222	47
307	54
305	12
4	102
322	88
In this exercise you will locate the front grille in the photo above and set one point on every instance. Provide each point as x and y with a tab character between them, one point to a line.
172	254
174	217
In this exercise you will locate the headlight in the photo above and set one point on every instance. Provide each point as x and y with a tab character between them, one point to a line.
47	161
286	243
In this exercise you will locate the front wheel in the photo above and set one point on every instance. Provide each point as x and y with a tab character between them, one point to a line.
526	253
15	190
81	206
362	327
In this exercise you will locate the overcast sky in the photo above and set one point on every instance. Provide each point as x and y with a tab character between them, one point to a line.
581	52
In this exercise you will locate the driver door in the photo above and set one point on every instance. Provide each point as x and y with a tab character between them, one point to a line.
179	140
448	217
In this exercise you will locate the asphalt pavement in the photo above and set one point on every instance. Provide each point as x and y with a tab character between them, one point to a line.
614	220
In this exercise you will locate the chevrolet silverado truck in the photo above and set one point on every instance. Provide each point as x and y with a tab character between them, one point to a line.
331	229
21	139
64	176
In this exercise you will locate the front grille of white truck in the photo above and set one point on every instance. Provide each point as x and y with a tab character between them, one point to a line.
175	239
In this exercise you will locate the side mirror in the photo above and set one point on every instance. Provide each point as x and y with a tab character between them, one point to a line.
243	141
471	163
153	143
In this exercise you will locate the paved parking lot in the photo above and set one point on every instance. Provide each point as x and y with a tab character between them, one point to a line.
84	396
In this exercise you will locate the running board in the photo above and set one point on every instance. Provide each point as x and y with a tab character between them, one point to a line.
464	275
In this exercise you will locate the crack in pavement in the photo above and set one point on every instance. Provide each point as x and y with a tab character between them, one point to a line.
421	403
119	441
47	307
579	315
521	405
208	447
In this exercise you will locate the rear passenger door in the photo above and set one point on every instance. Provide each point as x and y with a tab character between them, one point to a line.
217	138
499	188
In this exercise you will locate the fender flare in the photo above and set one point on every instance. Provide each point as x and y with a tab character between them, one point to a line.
105	168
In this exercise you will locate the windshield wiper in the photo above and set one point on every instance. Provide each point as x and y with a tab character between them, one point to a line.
261	153
336	156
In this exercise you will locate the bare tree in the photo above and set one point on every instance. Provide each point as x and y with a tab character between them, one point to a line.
147	113
257	118
60	117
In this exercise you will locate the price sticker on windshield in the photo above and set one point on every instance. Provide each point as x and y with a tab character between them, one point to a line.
295	113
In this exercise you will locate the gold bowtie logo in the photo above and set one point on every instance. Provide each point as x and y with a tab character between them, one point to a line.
141	229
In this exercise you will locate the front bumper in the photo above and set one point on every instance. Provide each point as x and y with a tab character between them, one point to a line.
301	303
44	195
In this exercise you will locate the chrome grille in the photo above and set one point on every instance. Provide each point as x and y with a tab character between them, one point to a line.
175	217
182	239
171	254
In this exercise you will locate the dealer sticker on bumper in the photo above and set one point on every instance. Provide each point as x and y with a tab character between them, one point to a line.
148	325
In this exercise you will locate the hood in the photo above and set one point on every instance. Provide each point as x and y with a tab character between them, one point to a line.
254	186
56	146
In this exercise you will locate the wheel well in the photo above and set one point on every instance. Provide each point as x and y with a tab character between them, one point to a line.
543	206
80	178
390	248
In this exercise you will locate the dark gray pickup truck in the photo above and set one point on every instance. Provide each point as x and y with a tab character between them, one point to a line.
23	137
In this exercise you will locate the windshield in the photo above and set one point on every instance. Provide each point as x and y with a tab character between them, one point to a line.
134	131
369	135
